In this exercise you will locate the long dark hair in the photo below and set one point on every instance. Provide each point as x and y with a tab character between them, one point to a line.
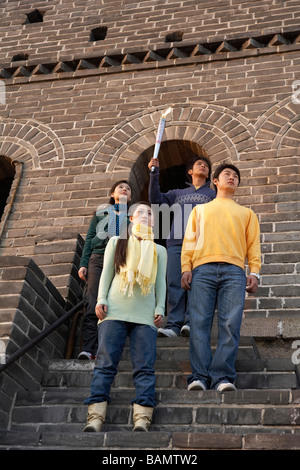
121	247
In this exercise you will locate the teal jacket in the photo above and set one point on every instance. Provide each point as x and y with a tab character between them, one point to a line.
103	226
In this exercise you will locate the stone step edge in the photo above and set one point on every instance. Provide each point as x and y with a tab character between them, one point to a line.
254	397
127	440
243	365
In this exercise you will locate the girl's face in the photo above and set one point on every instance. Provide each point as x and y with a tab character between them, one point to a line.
142	215
123	190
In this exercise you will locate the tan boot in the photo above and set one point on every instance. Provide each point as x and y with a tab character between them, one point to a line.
142	416
95	417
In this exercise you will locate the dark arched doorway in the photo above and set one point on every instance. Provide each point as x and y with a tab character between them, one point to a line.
7	174
173	157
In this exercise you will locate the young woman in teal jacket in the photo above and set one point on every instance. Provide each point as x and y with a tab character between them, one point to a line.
109	220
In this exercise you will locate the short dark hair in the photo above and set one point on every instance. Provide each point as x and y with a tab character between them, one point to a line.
222	167
191	163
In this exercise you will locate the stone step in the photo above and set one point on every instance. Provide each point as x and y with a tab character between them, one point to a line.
154	445
177	349
242	365
267	404
250	374
175	410
52	396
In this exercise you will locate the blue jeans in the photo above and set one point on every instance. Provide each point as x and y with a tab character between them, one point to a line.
177	297
222	285
112	336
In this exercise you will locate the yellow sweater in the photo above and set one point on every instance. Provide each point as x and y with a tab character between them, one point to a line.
221	231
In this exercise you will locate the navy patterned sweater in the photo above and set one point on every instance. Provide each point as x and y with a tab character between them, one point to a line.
181	202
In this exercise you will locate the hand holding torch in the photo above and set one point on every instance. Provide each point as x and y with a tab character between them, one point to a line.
160	131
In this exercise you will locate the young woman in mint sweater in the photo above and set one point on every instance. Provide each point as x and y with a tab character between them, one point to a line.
131	302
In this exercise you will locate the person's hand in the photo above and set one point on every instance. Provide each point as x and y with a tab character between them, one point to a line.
153	162
158	320
252	284
82	273
101	311
186	280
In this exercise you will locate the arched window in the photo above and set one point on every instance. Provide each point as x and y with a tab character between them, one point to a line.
173	157
7	174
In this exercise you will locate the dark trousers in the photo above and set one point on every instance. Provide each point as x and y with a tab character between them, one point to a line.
89	331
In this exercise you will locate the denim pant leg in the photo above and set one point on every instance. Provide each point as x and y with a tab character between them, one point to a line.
90	320
112	336
176	295
143	356
202	302
230	306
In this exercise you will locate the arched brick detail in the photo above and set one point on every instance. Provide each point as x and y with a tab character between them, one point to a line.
223	134
29	141
280	127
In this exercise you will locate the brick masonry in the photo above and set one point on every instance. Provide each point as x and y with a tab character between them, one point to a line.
29	304
81	113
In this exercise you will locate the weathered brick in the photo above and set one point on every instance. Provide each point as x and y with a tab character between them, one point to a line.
206	441
212	415
137	440
272	442
281	416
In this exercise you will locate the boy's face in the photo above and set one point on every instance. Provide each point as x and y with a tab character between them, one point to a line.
200	168
228	179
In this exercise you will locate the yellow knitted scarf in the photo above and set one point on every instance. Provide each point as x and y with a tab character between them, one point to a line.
141	261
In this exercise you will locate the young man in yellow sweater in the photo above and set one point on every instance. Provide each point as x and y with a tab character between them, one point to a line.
219	237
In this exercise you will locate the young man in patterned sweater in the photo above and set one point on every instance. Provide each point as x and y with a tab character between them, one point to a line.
182	201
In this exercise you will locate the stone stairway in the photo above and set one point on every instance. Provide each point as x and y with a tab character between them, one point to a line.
264	413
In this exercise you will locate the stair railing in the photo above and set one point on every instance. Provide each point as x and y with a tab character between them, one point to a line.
16	355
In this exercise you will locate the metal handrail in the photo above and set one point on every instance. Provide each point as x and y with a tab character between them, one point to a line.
16	355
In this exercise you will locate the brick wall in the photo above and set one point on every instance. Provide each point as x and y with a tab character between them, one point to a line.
81	114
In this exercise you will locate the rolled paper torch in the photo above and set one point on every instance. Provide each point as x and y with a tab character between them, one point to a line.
160	131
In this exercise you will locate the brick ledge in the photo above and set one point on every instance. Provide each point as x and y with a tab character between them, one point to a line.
179	53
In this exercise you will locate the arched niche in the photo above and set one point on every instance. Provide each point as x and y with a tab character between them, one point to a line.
7	174
173	157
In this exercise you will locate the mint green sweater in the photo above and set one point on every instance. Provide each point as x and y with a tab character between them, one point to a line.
138	308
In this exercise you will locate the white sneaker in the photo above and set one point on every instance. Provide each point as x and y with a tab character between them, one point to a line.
185	330
166	332
196	385
85	356
226	387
